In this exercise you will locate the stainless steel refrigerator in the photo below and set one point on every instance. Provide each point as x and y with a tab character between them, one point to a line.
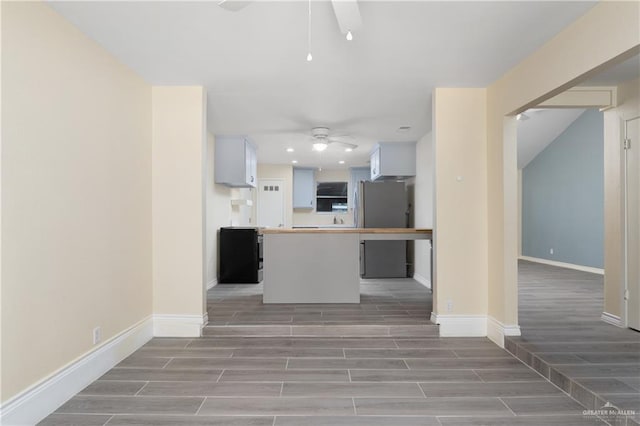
382	205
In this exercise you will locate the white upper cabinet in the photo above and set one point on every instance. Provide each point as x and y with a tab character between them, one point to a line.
375	163
393	160
304	188
251	164
235	162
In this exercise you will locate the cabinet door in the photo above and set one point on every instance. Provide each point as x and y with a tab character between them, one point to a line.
375	164
250	164
235	162
303	188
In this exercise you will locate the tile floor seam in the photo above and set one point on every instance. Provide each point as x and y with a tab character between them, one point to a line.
200	407
140	390
508	408
421	390
108	420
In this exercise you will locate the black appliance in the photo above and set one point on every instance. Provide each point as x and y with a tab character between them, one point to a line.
240	255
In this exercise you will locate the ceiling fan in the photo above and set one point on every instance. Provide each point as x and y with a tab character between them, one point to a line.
347	13
321	138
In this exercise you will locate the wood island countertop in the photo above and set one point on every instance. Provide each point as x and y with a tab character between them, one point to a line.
346	231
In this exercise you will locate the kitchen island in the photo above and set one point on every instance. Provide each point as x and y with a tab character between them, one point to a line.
316	265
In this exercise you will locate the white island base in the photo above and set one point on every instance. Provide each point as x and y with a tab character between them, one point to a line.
320	265
311	268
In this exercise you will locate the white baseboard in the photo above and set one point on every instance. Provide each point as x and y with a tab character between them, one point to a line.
564	265
611	319
422	280
212	283
41	399
496	331
178	325
461	325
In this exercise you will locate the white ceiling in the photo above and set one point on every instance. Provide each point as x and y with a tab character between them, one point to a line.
542	128
253	61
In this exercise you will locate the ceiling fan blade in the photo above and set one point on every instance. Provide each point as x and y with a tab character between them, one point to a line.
342	138
233	5
347	14
343	143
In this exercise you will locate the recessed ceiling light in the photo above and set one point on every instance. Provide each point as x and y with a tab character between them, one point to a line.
349	35
403	129
294	161
341	162
289	149
348	149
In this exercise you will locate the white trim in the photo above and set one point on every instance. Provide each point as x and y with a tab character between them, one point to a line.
611	319
461	325
178	325
564	265
41	399
212	283
603	97
496	331
422	280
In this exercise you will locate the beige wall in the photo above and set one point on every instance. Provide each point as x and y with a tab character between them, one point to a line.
459	126
218	213
519	217
178	156
312	217
278	171
76	195
628	107
2	398
423	203
579	51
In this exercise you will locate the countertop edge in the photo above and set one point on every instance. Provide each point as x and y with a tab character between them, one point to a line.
346	231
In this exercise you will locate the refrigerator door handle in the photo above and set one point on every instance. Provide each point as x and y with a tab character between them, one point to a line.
362	263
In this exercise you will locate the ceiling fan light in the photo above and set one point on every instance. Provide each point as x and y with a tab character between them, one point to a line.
319	146
349	35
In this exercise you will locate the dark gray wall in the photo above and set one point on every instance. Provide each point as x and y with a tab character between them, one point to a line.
563	196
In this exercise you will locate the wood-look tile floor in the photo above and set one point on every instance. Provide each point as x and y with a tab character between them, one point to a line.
336	368
565	340
396	301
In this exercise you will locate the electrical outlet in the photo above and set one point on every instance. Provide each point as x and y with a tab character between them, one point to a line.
550	251
449	305
97	335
